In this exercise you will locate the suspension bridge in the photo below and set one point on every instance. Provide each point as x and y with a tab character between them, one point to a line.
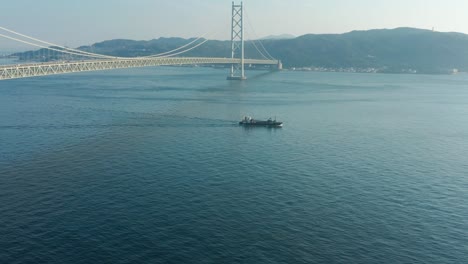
81	61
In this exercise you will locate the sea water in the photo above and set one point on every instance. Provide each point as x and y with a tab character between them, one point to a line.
150	166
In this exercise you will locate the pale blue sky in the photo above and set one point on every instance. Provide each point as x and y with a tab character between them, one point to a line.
80	22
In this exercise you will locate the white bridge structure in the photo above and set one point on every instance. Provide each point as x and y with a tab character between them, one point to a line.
97	62
50	68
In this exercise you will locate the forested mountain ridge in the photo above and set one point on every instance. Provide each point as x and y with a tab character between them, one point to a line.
379	50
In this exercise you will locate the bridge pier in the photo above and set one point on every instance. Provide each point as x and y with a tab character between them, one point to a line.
279	66
237	42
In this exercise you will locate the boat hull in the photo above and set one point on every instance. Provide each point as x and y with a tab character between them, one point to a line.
261	124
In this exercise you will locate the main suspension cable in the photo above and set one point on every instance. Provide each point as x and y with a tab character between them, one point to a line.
179	48
95	55
77	52
261	44
50	48
58	46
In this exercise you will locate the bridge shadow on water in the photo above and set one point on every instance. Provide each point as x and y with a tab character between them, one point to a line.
262	75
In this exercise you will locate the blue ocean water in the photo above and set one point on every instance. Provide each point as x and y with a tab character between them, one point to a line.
149	166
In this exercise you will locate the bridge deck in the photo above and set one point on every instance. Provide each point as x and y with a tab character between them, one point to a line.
61	67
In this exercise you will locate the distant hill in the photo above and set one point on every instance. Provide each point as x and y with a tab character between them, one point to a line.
392	50
282	36
380	50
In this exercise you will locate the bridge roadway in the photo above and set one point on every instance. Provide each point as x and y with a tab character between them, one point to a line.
61	67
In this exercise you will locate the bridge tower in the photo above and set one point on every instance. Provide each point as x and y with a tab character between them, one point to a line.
237	42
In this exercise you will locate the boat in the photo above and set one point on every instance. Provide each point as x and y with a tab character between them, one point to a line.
249	121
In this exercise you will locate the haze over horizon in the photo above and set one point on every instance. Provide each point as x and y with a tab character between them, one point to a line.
87	22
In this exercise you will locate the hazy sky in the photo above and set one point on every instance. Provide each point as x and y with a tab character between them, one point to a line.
80	22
